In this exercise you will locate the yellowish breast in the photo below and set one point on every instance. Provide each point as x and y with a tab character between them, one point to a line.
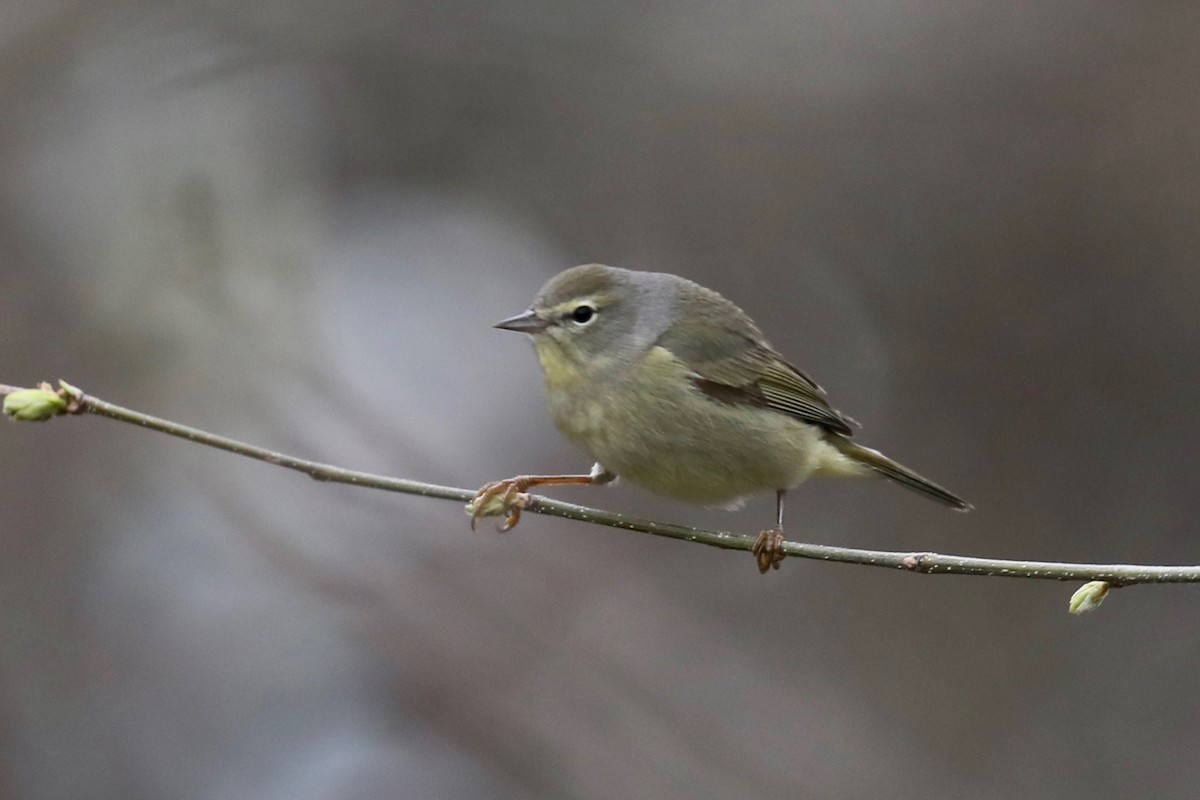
648	423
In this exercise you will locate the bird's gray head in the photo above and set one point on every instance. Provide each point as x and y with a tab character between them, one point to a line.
593	312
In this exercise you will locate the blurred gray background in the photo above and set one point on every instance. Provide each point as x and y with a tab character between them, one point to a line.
294	223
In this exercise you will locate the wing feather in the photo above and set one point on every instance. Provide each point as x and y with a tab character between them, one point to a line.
735	366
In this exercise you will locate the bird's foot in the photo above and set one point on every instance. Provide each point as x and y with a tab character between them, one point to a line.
504	498
508	497
768	550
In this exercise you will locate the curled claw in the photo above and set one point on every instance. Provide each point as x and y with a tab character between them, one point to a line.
506	497
514	500
768	550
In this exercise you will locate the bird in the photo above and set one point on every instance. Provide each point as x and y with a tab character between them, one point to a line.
672	387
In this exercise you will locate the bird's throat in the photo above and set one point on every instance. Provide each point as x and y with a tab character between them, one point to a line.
560	371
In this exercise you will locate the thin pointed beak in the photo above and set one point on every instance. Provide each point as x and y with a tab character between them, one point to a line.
525	322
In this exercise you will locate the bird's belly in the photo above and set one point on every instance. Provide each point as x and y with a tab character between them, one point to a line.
691	447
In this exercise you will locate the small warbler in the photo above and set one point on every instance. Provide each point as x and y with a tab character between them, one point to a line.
674	388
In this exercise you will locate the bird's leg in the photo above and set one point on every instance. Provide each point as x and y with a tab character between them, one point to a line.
768	547
509	496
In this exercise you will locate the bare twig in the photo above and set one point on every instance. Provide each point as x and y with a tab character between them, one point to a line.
921	562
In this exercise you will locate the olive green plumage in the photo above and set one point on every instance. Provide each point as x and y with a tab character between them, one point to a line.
674	388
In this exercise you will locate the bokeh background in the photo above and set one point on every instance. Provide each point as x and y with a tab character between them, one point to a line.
975	223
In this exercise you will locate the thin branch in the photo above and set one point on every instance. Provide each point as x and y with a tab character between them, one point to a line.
922	562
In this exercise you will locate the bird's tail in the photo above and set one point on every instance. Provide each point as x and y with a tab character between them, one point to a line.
878	462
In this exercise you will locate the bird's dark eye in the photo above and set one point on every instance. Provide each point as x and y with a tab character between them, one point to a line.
583	314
